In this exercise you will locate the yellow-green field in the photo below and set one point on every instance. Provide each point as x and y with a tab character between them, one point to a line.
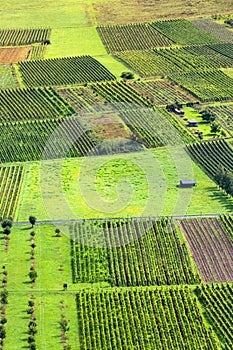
140	184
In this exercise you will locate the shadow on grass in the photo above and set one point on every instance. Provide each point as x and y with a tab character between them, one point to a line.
27	282
221	197
26	228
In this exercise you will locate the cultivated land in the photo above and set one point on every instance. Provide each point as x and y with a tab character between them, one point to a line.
98	159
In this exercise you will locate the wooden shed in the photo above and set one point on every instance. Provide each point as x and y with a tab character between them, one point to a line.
187	183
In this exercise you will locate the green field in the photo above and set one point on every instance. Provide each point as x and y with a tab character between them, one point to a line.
148	264
146	184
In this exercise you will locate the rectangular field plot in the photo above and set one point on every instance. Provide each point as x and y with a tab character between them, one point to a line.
142	175
6	77
43	139
130	253
211	248
142	318
215	29
161	92
15	37
224	115
32	104
207	86
212	156
184	32
217	305
132	37
72	70
11	179
155	127
14	55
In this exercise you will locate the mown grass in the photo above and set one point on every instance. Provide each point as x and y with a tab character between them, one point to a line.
50	253
138	184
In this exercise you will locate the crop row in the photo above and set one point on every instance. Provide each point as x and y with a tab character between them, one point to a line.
179	60
224	114
217	302
161	92
38	52
131	37
30	104
154	127
142	318
130	253
120	94
47	139
211	248
72	70
212	155
15	37
215	29
83	99
207	86
184	32
11	179
227	224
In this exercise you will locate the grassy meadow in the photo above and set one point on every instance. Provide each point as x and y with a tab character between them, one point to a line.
138	184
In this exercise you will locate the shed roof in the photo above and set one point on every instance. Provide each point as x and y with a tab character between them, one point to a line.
188	182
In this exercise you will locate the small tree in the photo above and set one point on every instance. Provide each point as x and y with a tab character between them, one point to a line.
32	275
214	128
7	231
58	232
7	223
32	220
127	75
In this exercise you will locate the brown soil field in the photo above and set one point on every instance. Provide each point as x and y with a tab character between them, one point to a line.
108	126
14	54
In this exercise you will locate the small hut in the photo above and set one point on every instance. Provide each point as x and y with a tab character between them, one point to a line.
192	122
187	183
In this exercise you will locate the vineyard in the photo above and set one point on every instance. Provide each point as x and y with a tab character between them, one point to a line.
31	104
132	37
142	318
155	127
171	61
43	139
215	29
11	179
105	108
120	95
16	37
83	99
161	92
130	253
217	303
211	248
212	155
224	115
207	86
184	32
72	70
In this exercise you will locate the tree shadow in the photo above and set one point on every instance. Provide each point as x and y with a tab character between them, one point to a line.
221	197
26	228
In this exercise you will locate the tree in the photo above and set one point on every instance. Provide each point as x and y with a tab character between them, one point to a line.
127	75
32	275
58	232
6	223
7	231
32	220
208	115
214	128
